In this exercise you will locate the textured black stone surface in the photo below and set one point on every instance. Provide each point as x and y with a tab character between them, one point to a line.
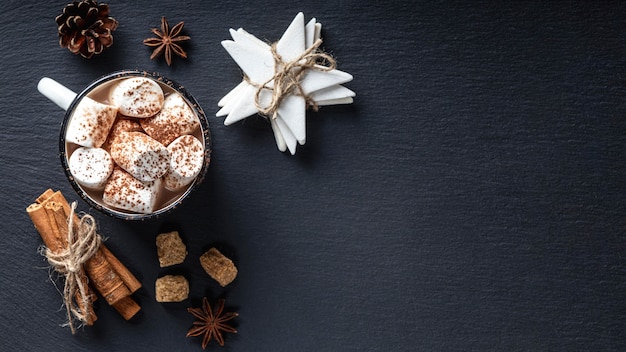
472	198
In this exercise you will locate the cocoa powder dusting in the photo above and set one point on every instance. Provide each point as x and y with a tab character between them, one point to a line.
138	145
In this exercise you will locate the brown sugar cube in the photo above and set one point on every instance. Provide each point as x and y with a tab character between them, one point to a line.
170	249
172	288
219	267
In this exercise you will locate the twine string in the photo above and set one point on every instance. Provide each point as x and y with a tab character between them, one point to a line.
83	242
287	77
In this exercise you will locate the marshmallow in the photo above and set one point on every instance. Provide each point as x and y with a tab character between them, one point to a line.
186	160
90	123
91	167
120	125
174	120
137	97
125	192
140	155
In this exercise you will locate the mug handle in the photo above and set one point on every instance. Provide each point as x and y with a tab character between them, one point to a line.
55	91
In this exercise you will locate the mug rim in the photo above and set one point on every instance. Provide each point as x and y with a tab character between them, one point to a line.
193	104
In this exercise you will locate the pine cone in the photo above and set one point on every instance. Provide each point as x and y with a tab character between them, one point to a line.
85	27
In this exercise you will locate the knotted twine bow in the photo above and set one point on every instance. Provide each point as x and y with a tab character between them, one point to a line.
83	242
287	76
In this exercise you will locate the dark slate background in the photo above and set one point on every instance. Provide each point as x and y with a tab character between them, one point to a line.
472	198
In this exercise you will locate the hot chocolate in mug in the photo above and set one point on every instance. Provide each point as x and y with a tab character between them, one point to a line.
133	144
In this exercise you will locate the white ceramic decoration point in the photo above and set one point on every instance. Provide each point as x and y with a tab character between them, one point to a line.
232	95
266	76
253	65
280	140
253	39
244	107
318	31
290	140
292	111
332	92
315	80
244	38
231	99
335	101
291	44
309	32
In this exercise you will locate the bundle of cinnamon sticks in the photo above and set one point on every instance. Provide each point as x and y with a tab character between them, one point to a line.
51	214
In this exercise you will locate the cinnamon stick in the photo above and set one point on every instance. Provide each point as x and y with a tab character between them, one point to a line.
58	220
50	234
109	276
127	307
105	280
45	195
102	276
127	277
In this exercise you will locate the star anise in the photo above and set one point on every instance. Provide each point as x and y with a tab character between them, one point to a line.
211	323
167	40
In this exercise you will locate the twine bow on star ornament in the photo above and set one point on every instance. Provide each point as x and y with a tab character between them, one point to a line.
283	79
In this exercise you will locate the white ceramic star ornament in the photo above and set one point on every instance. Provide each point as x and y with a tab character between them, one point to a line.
282	79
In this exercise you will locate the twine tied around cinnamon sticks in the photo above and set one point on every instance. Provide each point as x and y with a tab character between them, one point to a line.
83	242
287	77
76	251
